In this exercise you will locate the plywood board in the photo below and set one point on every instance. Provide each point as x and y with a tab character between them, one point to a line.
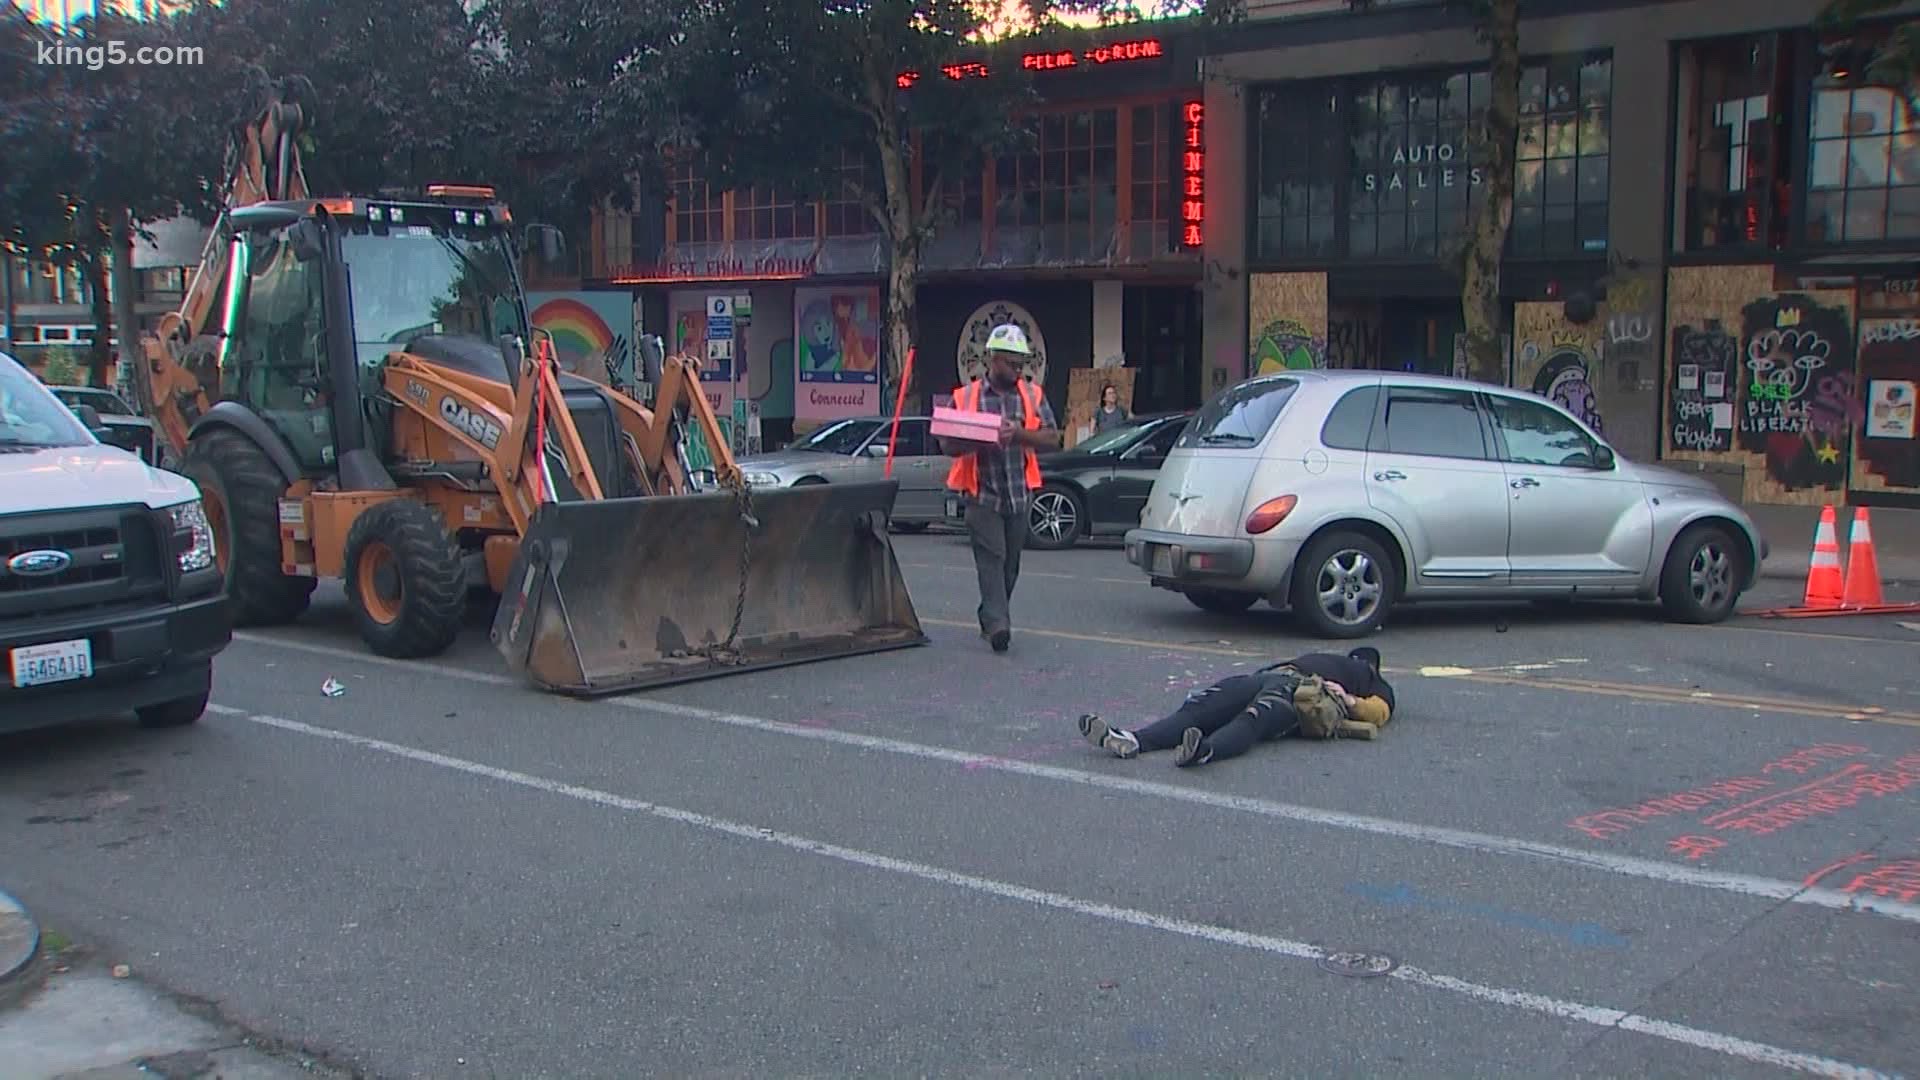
1084	386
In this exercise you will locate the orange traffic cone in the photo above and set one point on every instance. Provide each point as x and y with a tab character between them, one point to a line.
1824	587
1863	573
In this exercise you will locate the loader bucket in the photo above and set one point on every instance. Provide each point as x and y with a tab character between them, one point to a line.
620	594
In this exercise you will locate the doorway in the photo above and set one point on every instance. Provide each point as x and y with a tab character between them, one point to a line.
1416	334
1160	335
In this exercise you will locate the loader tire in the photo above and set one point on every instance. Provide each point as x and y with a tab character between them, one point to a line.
241	490
406	579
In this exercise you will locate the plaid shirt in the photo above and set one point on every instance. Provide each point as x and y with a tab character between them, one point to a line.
1003	469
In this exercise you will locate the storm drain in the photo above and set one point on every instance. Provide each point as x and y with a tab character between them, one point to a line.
1358	965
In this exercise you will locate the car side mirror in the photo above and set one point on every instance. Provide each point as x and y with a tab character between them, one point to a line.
90	416
876	449
552	243
306	241
1603	459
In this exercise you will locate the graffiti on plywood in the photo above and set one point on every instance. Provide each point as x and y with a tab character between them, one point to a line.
1799	400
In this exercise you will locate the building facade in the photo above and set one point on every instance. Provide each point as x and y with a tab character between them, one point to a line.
1080	240
1715	241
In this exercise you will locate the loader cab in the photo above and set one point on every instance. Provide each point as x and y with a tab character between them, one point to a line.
320	292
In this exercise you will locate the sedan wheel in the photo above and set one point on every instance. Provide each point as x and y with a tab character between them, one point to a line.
1343	585
1055	520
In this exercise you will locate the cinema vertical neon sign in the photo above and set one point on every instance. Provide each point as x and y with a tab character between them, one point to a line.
1193	171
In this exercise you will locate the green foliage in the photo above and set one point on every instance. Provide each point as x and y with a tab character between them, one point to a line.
1893	61
60	367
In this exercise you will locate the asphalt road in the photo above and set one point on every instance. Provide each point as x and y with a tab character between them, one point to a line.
1592	843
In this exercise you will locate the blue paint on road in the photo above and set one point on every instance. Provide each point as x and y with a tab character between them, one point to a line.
1586	935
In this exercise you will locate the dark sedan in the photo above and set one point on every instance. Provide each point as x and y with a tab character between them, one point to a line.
1099	487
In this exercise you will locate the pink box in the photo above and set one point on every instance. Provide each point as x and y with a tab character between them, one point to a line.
966	424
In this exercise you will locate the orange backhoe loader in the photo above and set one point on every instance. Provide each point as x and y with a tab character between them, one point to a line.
355	387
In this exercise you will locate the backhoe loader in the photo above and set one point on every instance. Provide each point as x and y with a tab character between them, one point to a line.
355	387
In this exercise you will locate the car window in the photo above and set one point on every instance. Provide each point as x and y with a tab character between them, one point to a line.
913	439
1432	423
1160	443
31	416
103	403
1350	421
1241	416
1538	435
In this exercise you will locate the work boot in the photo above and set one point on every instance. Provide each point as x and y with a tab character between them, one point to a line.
1121	744
1000	639
1193	749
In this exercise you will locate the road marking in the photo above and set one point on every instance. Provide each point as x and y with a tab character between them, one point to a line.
1541	1004
1666	873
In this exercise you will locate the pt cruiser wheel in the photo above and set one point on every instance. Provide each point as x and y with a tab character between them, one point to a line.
1343	584
1701	580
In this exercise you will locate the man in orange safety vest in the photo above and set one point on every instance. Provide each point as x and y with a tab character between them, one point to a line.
997	482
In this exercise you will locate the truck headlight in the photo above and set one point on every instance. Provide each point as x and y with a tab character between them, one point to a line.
761	479
193	536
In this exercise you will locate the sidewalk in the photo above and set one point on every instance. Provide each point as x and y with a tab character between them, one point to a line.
1789	532
65	1016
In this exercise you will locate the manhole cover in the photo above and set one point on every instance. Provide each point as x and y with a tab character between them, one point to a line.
1358	965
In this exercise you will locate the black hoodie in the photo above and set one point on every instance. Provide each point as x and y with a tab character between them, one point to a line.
1360	678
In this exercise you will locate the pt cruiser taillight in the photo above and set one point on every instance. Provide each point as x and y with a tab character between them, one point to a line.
1270	513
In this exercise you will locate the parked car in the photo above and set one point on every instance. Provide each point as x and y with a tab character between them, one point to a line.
110	591
1342	493
1099	487
125	428
854	450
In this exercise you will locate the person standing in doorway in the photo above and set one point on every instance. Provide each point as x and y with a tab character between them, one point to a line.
1109	414
997	481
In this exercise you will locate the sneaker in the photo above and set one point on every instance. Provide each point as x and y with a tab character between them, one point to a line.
999	639
1121	744
1193	749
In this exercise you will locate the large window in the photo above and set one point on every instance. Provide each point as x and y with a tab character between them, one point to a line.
1153	194
699	212
770	214
1302	158
1389	168
1065	185
846	207
1863	174
1560	179
1738	164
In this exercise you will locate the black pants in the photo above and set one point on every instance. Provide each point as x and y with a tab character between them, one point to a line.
1234	714
997	539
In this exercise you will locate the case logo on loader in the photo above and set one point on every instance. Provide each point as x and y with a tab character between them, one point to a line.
478	427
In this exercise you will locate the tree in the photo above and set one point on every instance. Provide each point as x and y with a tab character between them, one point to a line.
834	99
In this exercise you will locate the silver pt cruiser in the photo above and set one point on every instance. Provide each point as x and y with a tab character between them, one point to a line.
1341	493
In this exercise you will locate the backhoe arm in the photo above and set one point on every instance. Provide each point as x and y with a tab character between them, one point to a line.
184	353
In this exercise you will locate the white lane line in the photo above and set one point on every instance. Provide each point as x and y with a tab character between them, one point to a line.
1597	1015
1483	843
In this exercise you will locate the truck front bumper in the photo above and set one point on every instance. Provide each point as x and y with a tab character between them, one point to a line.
143	657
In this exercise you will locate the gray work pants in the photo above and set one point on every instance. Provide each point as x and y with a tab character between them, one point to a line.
997	540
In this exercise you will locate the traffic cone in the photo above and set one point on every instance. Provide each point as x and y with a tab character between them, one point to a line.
1863	573
1824	587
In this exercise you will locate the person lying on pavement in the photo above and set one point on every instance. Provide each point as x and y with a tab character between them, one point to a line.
1317	695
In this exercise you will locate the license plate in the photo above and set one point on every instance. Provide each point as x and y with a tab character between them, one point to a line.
54	662
1162	560
953	508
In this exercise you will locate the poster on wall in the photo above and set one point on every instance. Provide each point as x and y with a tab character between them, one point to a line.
1889	449
1799	402
592	331
1698	417
970	361
836	336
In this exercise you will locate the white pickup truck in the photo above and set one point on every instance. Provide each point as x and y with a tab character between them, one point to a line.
110	595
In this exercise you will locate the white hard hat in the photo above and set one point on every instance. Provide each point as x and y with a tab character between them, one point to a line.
1009	338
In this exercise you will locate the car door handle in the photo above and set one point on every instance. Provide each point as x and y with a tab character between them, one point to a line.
1390	474
1525	482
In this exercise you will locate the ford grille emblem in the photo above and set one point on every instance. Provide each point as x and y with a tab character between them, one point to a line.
39	563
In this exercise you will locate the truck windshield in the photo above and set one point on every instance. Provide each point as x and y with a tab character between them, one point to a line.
30	416
420	279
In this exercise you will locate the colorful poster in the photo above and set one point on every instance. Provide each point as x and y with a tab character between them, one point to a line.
836	338
1890	409
592	331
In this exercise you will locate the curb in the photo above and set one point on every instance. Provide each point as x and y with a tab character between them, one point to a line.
19	940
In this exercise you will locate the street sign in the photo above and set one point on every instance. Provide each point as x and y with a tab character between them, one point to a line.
720	306
743	306
719	348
